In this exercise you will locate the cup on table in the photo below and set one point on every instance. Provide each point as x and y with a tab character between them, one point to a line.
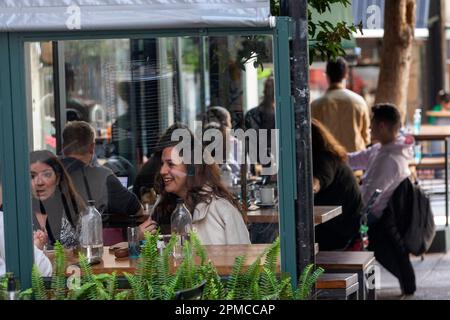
267	195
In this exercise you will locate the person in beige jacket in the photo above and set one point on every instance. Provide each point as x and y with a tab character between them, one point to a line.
343	112
216	216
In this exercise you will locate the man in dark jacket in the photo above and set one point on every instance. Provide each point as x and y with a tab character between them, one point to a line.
93	181
262	117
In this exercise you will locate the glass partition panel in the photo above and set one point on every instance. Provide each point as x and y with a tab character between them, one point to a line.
130	92
2	232
40	87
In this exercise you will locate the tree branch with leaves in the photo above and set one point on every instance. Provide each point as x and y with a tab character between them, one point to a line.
325	38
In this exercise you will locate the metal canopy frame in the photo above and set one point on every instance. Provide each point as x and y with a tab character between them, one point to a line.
57	15
14	145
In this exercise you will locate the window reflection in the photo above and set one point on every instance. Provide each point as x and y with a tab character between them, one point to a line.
2	233
131	92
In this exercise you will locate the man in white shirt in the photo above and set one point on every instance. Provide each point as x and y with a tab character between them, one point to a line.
386	163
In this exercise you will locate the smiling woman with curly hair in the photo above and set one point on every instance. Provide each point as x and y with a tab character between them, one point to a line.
215	212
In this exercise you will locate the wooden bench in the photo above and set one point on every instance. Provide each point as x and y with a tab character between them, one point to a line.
361	263
338	286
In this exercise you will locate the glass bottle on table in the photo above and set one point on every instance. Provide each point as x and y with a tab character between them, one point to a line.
181	226
227	176
11	287
91	235
417	120
417	153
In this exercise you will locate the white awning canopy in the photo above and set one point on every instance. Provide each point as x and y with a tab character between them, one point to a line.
67	15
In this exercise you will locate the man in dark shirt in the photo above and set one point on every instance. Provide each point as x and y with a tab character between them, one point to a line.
263	116
92	181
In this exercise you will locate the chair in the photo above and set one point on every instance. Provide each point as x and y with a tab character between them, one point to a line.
362	263
338	286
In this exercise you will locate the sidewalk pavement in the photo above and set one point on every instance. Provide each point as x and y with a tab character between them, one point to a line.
432	279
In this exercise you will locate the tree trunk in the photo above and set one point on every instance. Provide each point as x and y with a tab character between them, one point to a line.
436	52
399	22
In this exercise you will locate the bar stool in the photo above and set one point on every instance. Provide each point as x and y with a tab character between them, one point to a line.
362	263
338	286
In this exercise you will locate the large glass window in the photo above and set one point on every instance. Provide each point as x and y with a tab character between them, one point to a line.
40	86
131	91
2	233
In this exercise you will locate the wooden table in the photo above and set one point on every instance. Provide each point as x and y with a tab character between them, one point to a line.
437	133
432	132
438	114
430	163
322	214
361	262
222	256
336	280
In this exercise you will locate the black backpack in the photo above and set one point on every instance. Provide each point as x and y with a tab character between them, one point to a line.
409	218
420	234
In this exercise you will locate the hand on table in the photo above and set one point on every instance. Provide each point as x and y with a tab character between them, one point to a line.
40	239
316	185
149	226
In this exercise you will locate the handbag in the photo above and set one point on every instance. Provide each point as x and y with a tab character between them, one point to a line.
361	242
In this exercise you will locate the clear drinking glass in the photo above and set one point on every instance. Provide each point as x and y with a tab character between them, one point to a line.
133	242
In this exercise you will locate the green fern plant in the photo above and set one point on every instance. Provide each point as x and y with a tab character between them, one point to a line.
285	291
58	283
152	271
269	281
251	281
112	286
58	280
188	268
272	253
233	284
189	273
138	289
123	295
37	284
154	278
163	273
105	286
3	286
263	282
148	258
198	248
93	287
214	288
307	280
84	292
257	282
86	269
